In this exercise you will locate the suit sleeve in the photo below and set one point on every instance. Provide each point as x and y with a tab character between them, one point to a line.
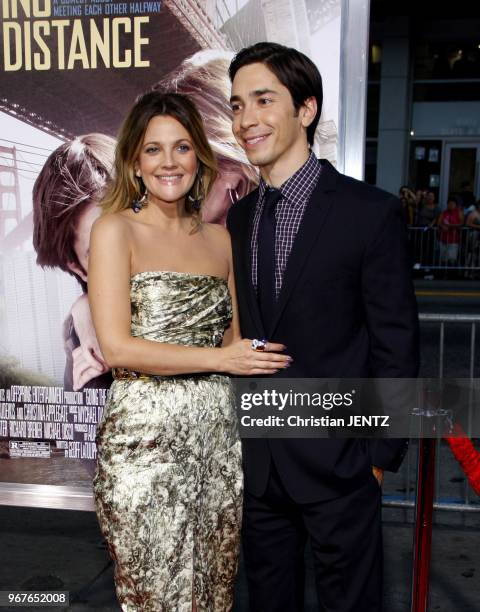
230	215
391	314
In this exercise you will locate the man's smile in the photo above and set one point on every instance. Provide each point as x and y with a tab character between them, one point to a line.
252	141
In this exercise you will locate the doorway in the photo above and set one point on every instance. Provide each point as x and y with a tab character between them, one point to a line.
461	165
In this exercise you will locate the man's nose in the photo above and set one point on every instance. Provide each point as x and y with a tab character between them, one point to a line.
248	117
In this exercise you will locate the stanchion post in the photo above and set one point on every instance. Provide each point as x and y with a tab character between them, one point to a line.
423	524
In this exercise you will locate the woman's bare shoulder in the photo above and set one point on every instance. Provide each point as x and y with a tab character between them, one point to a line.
216	232
219	238
112	224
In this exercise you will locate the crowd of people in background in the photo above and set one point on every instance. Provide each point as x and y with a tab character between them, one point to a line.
443	236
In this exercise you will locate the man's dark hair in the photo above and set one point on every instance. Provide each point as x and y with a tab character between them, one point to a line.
74	176
293	69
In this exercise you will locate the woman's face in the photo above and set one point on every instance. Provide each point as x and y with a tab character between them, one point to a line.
167	162
81	244
430	197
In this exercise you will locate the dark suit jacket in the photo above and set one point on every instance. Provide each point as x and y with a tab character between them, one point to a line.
346	309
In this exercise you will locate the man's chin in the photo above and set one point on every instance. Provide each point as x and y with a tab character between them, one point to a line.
258	159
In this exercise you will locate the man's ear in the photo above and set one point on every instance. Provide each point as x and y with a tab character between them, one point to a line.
308	111
78	270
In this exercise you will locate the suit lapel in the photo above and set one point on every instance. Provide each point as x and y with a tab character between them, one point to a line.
314	217
244	255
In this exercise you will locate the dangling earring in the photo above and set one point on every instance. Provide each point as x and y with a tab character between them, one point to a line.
197	200
232	199
137	205
196	203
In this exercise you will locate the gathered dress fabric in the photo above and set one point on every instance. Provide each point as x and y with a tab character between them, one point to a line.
168	487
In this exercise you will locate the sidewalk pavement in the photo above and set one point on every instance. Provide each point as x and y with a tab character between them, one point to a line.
61	550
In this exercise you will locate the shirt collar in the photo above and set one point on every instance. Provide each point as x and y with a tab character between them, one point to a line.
292	184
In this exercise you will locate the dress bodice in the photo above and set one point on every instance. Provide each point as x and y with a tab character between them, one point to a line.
169	458
180	308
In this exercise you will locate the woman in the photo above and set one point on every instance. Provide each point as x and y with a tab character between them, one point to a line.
428	210
66	198
450	223
169	484
409	204
73	179
472	221
427	218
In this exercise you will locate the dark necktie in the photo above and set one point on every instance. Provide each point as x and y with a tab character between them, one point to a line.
266	257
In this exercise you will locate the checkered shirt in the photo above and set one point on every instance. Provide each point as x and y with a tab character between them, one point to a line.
289	211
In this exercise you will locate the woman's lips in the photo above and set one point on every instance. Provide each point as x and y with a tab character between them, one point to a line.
170	179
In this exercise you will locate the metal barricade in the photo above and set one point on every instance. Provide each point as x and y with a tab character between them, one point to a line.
433	248
465	504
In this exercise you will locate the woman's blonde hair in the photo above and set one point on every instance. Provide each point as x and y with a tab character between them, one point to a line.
125	187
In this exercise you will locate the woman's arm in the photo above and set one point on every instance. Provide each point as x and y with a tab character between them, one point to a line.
109	294
471	218
232	334
440	221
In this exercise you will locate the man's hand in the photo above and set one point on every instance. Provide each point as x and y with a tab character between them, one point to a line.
86	366
378	473
88	361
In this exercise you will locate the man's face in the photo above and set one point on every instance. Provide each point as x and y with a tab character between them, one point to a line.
265	123
81	245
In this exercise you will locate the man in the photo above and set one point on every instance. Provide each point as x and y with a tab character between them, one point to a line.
321	266
66	198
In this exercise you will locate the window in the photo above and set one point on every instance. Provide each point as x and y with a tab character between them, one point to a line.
446	60
425	164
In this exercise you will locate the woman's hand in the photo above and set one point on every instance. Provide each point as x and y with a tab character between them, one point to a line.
88	361
378	473
239	358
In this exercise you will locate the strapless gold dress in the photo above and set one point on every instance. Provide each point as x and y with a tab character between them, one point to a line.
168	487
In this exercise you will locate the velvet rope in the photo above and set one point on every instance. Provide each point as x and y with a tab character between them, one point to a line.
466	454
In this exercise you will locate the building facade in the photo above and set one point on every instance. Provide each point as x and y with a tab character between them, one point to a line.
423	104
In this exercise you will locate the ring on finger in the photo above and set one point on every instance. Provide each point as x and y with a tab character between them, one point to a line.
259	345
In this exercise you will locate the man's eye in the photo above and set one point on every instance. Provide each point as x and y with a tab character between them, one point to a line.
264	101
235	108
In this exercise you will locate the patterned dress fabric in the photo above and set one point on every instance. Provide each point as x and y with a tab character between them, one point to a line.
168	487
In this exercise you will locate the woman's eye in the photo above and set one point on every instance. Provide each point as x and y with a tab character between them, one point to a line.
183	148
151	149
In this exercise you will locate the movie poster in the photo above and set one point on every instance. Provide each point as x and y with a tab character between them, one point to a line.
69	71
